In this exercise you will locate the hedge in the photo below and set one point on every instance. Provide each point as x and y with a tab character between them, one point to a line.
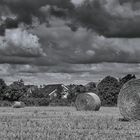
36	101
5	103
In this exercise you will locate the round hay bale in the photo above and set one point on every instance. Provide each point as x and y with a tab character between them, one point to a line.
88	101
18	104
129	100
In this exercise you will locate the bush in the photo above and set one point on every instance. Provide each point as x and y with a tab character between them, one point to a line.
126	79
108	90
60	102
91	87
74	90
2	88
36	101
18	104
5	103
15	91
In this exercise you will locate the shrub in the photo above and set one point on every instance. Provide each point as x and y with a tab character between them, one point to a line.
5	103
60	102
90	87
18	104
35	92
108	90
2	88
36	101
74	90
126	79
15	91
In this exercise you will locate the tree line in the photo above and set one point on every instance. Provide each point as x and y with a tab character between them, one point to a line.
107	89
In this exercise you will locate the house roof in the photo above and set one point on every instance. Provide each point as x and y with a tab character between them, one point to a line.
51	88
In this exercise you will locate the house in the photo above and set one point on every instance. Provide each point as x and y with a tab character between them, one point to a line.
65	92
59	91
30	89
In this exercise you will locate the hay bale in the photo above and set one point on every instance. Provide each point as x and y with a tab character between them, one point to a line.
129	100
88	101
18	104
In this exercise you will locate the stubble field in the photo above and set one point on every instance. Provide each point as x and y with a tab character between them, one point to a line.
65	123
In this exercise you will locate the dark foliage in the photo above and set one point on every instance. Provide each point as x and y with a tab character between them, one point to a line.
36	101
108	90
34	92
60	102
2	88
126	79
90	87
4	103
74	90
15	91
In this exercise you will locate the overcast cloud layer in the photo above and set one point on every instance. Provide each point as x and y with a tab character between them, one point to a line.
112	18
56	54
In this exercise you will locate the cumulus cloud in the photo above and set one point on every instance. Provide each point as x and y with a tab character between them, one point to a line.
18	42
64	46
56	54
111	18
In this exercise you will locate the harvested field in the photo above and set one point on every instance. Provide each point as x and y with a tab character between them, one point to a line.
65	123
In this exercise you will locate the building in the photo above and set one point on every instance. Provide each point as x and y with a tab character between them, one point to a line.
59	91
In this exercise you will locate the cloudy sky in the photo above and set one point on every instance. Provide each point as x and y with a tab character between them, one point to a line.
39	45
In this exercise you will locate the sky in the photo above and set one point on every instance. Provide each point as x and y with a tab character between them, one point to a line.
38	45
77	1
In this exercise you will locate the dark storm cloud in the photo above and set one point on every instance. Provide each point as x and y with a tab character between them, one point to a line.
58	45
43	55
8	23
15	60
61	45
35	61
125	1
47	61
24	9
27	9
111	18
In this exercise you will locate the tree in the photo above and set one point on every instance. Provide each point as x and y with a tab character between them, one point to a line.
108	90
74	90
15	91
126	79
90	87
2	88
33	91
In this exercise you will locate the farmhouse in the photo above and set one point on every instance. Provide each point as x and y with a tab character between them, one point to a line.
30	89
57	90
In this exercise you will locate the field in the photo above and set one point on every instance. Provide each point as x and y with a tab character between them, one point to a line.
65	123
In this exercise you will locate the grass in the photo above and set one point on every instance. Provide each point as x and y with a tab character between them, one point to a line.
65	123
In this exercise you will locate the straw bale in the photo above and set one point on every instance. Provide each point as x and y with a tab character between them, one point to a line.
129	100
88	101
18	104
